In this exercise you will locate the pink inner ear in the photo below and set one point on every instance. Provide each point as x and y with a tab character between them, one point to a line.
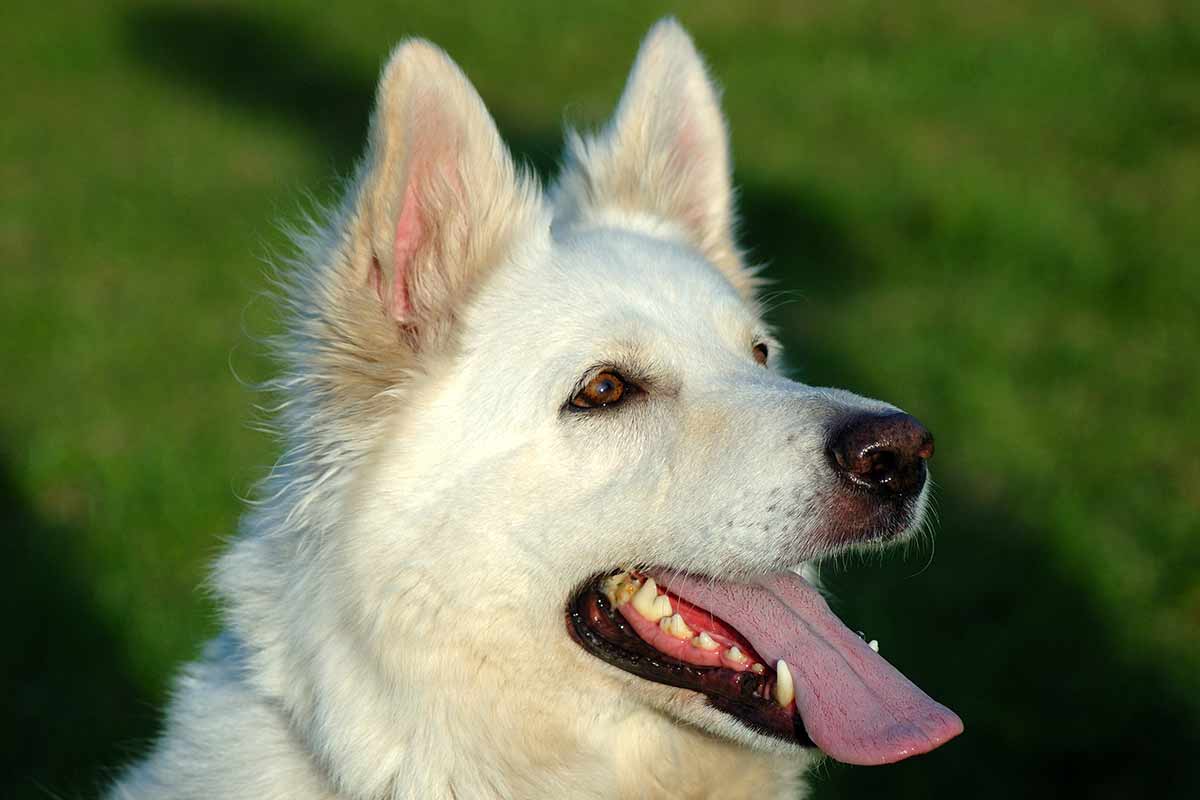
409	231
688	158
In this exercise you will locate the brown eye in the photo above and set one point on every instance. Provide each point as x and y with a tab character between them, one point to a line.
605	389
761	353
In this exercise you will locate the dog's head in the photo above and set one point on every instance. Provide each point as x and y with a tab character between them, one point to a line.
560	435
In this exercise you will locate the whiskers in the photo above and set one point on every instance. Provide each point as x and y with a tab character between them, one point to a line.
773	301
923	537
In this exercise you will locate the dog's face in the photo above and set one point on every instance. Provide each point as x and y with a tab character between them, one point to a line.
590	430
624	394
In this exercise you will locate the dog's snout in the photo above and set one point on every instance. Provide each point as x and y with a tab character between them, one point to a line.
883	453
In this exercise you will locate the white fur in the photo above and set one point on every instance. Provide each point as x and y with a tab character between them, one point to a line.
395	602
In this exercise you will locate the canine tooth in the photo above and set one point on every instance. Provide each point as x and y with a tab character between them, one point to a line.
675	626
785	689
644	601
735	655
758	669
705	642
874	645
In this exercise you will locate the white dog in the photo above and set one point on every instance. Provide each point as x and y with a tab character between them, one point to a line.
539	527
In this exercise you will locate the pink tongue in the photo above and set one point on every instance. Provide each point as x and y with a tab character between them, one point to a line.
856	707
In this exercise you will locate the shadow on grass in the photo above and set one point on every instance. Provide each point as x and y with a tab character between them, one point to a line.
71	708
1053	703
266	67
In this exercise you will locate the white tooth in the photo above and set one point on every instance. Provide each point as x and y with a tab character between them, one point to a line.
758	669
705	642
675	626
644	601
785	690
874	645
662	605
735	655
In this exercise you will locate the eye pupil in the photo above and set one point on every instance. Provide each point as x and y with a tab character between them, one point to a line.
605	389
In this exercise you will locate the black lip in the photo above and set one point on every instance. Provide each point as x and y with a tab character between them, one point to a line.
602	631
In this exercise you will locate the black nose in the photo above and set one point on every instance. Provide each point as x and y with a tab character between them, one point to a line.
884	453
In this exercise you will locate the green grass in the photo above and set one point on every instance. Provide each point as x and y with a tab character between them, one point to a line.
987	213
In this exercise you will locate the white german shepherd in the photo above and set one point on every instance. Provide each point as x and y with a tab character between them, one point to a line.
546	501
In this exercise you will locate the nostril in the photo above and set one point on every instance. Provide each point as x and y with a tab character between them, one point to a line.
884	453
881	465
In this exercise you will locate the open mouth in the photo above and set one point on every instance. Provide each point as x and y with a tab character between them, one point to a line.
770	654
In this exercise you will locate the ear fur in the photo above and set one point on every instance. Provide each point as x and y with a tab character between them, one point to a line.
665	153
441	197
435	203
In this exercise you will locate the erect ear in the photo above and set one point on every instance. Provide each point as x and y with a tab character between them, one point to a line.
665	153
439	199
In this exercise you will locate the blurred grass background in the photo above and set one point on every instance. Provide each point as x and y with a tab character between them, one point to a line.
989	213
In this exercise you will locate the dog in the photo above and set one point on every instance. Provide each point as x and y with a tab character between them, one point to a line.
547	514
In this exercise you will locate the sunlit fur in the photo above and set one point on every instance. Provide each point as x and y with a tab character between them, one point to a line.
394	603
